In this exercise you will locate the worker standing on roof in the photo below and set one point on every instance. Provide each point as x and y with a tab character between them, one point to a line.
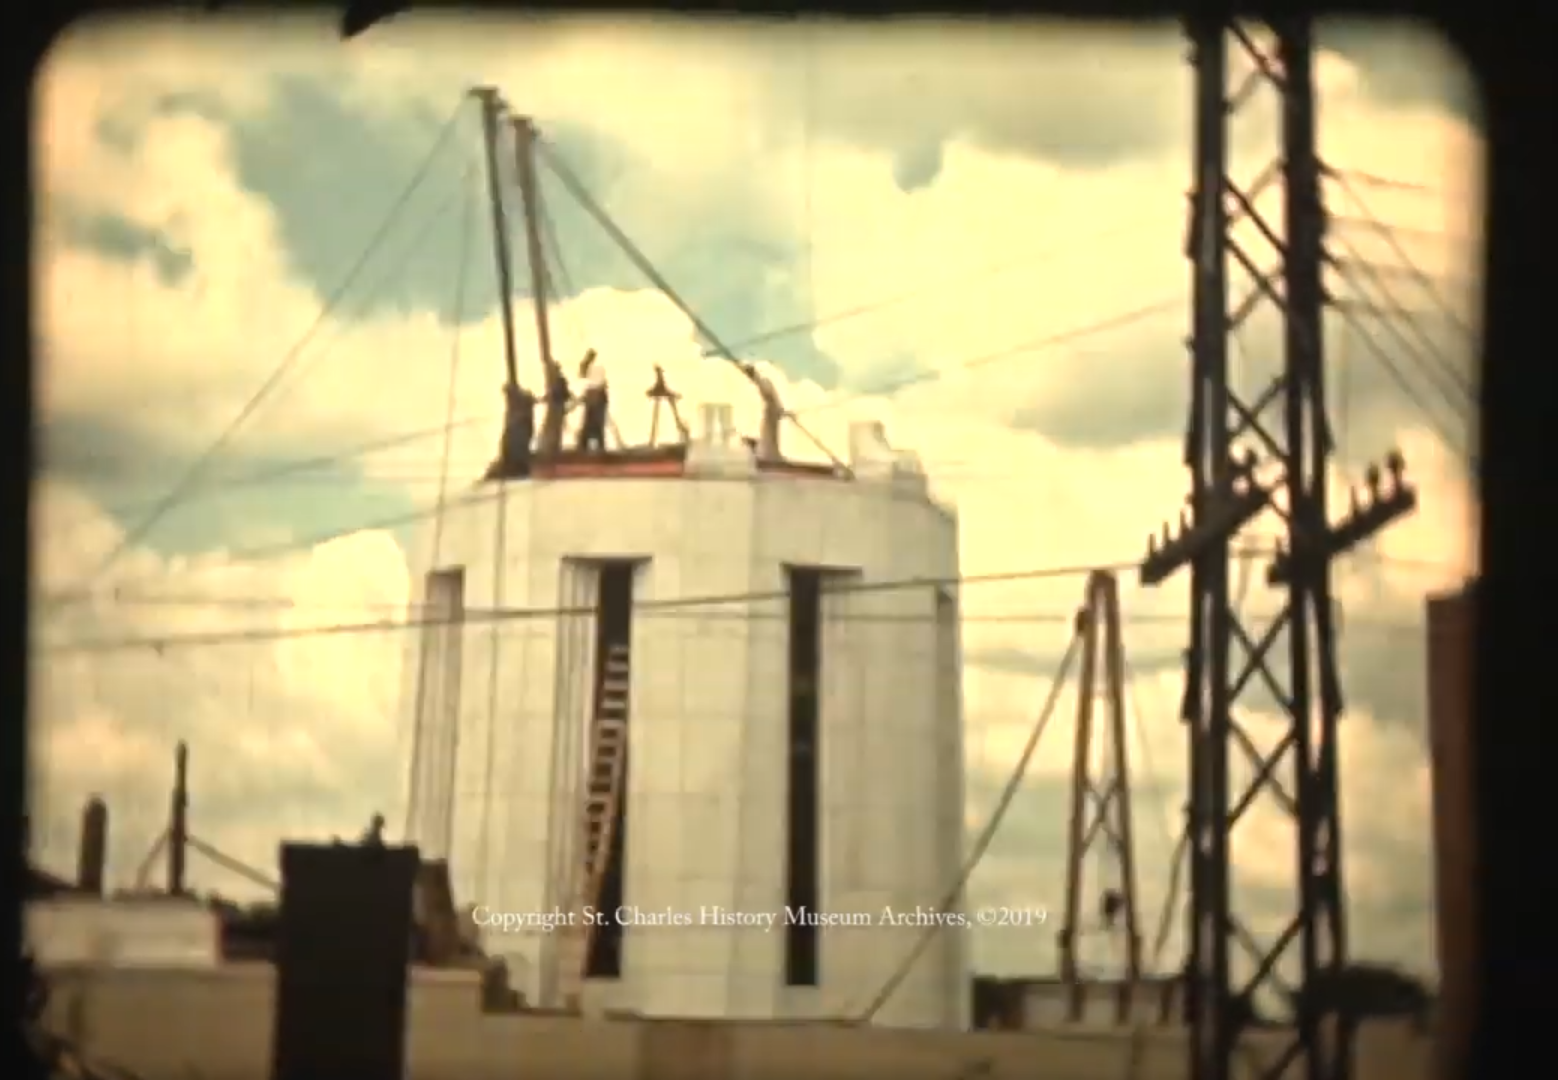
773	414
592	432
558	396
519	427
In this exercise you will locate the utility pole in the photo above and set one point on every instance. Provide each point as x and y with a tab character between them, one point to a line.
535	252
1226	495
1101	808
491	120
178	821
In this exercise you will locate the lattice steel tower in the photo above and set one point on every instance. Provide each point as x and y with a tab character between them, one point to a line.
1280	431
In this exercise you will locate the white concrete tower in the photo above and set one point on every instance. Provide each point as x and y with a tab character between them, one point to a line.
794	737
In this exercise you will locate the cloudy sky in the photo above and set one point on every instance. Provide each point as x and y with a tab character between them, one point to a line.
975	235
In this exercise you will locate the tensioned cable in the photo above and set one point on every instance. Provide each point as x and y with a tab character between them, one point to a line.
1384	359
1048	341
990	270
204	460
1163	620
517	614
284	470
1410	265
495	662
222	485
1021	348
983	841
1144	748
424	658
1453	388
581	194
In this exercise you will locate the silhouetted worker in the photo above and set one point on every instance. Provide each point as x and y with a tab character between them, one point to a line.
558	395
374	837
519	428
592	431
773	414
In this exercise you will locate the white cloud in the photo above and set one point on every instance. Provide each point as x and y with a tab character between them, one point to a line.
296	735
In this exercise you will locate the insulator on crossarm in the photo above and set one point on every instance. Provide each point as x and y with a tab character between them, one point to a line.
1371	477
1396	465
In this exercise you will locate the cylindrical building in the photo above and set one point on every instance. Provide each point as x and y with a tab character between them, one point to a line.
793	729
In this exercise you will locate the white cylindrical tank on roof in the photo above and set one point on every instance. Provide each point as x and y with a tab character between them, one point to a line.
604	557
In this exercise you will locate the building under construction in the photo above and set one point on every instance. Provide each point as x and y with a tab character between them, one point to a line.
660	692
638	773
797	748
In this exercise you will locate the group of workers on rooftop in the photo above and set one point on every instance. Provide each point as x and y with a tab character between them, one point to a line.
520	443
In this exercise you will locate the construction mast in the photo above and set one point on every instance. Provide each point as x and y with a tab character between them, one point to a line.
492	113
1281	430
1101	803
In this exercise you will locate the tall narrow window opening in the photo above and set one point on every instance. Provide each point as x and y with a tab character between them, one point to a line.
802	872
613	659
435	723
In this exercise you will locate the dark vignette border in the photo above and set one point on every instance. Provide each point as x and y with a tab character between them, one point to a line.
1512	62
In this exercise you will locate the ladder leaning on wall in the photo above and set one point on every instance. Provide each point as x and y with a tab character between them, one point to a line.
602	795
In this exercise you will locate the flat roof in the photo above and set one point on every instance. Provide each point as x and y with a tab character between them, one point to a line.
639	462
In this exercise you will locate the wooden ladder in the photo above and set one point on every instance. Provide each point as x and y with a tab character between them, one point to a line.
601	797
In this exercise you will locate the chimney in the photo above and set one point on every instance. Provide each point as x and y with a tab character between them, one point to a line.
178	821
92	855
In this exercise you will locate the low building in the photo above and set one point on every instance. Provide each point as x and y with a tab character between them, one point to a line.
1452	740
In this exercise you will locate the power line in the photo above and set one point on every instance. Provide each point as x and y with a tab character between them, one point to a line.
1053	617
1051	340
982	842
1384	183
684	607
1424	282
1451	386
581	195
529	614
1048	341
1384	359
204	460
1034	345
984	273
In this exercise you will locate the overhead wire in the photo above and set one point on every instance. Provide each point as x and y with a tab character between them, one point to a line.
581	195
468	617
1424	282
1032	345
298	467
544	291
294	468
982	842
885	303
808	231
1067	336
1452	386
221	485
203	461
1177	852
451	399
1165	830
1388	364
